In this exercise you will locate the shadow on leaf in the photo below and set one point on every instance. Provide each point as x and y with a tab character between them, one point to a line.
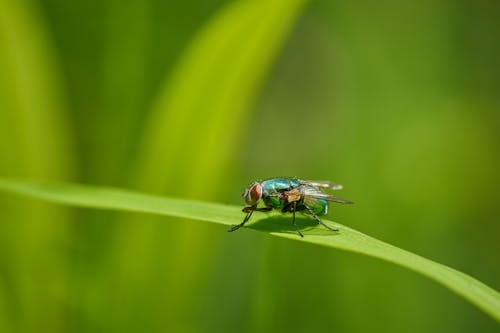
284	224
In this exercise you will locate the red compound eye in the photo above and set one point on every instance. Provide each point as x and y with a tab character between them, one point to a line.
253	194
256	192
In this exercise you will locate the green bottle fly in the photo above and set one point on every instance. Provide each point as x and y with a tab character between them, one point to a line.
290	195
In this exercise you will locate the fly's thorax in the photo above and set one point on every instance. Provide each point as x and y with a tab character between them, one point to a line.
273	190
253	194
277	185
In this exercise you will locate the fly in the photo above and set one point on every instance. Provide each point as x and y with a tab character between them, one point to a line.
290	195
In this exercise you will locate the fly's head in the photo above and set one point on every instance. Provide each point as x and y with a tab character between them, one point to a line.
253	194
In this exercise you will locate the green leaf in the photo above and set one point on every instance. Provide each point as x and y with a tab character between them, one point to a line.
35	141
209	95
347	239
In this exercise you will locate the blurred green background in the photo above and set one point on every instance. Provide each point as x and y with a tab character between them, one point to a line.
398	101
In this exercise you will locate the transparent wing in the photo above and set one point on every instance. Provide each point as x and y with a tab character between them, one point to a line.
331	198
311	191
322	184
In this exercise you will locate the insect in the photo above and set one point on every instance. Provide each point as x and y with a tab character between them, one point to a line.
290	195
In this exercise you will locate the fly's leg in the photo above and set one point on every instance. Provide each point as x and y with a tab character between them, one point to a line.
294	205
313	214
249	210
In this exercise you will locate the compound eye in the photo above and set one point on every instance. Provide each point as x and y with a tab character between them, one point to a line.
253	194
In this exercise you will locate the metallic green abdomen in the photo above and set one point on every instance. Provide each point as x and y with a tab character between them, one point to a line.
310	199
318	206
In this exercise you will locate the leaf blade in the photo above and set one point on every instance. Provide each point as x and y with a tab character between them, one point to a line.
476	292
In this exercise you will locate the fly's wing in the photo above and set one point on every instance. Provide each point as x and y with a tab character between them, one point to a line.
332	198
313	192
322	184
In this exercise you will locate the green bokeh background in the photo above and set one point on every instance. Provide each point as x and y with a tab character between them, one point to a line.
398	101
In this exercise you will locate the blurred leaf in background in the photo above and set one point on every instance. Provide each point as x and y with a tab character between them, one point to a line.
35	141
397	101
